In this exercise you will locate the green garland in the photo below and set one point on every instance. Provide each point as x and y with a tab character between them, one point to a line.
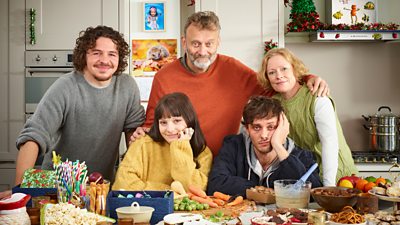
32	26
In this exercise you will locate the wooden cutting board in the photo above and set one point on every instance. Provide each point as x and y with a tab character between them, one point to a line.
232	211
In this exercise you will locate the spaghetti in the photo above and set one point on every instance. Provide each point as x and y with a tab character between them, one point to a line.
347	216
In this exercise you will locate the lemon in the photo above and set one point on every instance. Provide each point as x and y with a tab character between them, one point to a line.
345	183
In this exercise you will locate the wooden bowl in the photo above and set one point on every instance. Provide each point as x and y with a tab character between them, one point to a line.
333	199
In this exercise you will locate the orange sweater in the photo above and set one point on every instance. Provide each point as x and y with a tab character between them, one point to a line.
217	95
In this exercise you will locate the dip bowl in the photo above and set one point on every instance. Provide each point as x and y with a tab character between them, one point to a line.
140	214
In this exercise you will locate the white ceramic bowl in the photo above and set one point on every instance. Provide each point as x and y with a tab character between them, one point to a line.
140	214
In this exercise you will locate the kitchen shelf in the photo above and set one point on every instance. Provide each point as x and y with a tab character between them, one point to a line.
344	36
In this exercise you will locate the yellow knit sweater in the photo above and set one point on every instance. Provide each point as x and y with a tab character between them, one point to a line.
150	165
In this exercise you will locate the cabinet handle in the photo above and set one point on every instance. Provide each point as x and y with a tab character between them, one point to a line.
32	26
7	161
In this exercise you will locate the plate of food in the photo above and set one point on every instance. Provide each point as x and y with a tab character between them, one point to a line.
282	216
384	195
185	219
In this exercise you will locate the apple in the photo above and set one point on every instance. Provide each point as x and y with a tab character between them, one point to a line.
96	176
353	179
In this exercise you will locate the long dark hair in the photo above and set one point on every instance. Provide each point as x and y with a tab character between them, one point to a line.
87	40
178	104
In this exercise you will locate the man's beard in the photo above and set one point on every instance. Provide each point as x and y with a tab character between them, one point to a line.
201	65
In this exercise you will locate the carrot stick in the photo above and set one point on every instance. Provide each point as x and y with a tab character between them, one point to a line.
237	201
219	202
222	196
197	191
204	200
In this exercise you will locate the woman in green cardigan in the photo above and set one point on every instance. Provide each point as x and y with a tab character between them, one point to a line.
314	122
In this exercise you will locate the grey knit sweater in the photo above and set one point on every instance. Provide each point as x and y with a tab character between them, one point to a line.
81	122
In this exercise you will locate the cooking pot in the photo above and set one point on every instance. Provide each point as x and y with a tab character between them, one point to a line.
384	130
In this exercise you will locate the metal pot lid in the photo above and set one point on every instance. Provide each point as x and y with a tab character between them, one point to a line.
381	114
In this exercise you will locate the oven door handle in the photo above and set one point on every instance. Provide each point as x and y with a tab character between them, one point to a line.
47	72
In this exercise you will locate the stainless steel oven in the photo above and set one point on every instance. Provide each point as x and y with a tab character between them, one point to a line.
42	69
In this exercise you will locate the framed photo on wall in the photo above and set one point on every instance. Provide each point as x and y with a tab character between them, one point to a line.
149	55
154	16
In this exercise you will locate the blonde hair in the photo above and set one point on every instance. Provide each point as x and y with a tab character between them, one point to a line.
299	69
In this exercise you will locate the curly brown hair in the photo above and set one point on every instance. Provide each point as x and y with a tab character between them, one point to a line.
87	40
259	107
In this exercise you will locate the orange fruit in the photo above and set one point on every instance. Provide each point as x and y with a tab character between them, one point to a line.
369	186
380	180
345	183
360	184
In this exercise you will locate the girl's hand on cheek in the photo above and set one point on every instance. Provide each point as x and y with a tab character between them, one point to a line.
186	134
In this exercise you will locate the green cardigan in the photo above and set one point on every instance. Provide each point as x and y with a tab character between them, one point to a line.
300	111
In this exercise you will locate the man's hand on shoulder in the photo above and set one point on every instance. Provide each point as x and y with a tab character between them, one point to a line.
318	86
139	132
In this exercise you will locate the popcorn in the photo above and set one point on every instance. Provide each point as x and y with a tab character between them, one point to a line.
68	214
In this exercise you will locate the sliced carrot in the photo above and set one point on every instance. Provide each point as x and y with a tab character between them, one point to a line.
197	191
219	202
204	200
237	201
222	196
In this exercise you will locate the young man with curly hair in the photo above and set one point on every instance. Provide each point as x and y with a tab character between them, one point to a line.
83	114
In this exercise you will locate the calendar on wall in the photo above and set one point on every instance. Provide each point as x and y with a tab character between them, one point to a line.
351	11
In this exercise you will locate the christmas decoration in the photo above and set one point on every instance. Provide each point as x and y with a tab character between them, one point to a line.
32	26
361	26
303	16
268	45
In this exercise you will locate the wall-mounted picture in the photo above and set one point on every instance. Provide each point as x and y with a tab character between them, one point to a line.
154	16
148	56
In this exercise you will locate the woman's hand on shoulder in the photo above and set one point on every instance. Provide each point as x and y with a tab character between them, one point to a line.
318	86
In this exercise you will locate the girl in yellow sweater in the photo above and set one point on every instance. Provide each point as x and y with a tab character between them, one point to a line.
173	150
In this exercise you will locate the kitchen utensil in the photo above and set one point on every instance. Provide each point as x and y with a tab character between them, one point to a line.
303	179
383	130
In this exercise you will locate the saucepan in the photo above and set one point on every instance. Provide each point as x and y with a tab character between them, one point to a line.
383	130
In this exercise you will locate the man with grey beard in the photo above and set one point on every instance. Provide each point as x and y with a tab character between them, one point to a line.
217	85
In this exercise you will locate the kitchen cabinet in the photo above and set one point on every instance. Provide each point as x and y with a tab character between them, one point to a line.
11	85
57	23
245	25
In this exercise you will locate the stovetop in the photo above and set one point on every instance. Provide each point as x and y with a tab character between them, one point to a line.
376	157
